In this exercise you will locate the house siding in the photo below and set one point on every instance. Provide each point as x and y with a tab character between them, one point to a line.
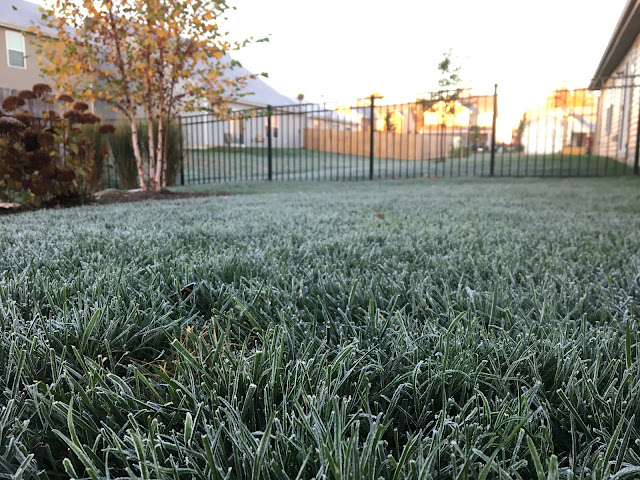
13	80
202	131
612	114
19	78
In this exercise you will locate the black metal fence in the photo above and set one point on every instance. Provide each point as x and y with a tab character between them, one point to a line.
446	134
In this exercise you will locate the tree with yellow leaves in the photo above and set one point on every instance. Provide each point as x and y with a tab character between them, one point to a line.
159	57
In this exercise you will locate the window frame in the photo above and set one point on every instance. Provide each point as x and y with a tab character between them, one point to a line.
24	49
608	119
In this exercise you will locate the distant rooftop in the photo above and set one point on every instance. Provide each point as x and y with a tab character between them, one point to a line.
20	15
622	39
259	92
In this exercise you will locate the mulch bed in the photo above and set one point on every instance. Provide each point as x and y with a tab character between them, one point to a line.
113	195
105	197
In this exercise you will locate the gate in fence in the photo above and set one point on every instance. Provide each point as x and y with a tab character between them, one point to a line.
446	134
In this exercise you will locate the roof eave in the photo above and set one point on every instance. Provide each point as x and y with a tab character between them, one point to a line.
22	28
623	37
13	26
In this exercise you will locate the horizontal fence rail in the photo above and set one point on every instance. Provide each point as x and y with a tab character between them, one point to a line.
576	132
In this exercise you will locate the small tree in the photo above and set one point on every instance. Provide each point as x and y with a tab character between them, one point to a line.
155	57
390	121
520	130
443	102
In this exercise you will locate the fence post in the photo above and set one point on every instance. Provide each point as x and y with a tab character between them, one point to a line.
269	149
493	131
181	150
373	99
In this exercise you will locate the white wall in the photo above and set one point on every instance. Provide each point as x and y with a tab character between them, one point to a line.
544	135
203	131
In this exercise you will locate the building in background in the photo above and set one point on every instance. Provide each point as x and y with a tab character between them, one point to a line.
19	69
616	77
565	125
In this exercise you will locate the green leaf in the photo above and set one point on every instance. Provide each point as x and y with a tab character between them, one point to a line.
627	345
88	329
536	459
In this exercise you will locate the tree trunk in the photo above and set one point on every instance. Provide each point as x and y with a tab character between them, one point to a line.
153	163
165	154
161	161
136	152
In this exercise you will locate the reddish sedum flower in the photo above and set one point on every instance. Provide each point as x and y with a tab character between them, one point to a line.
41	89
65	174
72	116
26	95
39	186
11	124
47	171
45	139
12	102
40	159
30	140
90	118
106	128
24	117
65	98
51	115
80	106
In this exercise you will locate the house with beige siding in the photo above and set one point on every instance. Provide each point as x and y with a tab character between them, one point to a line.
19	69
617	79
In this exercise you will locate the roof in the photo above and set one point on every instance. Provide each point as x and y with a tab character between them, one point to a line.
622	40
583	121
380	110
259	93
20	15
316	111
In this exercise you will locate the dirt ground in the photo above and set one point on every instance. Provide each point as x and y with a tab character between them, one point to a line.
105	197
113	195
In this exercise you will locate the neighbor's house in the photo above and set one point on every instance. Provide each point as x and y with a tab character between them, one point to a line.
616	78
19	66
409	132
290	119
248	127
565	125
19	69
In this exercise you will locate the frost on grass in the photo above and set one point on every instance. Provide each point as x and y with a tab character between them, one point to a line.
473	329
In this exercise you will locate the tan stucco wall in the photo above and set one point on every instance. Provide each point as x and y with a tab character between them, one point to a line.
19	78
608	143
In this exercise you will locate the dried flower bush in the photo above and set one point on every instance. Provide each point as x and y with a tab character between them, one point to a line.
51	158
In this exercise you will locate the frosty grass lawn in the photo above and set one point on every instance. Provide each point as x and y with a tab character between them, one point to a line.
471	329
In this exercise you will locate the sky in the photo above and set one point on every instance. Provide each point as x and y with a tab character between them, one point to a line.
342	50
336	51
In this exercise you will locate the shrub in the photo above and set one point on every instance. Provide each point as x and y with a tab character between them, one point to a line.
124	159
48	159
99	154
461	151
174	153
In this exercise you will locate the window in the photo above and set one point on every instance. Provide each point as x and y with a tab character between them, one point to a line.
274	127
609	119
625	99
16	50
